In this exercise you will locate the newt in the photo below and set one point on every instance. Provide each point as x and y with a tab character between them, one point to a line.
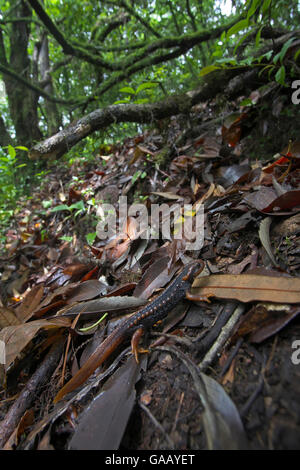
136	325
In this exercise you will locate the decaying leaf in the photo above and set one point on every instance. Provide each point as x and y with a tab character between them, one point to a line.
8	317
17	337
263	321
264	235
247	288
29	304
102	425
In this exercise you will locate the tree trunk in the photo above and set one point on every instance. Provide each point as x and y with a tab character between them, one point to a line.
22	101
51	111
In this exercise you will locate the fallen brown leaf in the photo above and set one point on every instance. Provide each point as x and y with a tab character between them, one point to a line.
17	337
247	288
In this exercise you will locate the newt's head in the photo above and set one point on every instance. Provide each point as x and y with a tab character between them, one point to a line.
192	270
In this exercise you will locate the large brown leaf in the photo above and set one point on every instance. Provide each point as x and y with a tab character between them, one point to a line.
248	288
17	337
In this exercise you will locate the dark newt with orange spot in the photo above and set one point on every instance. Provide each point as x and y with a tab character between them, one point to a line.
136	325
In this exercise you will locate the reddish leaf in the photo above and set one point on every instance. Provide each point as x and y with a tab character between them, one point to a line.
74	195
287	200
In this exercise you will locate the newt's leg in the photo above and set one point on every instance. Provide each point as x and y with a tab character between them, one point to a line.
135	342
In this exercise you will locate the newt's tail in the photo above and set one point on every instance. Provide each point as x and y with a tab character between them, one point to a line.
102	352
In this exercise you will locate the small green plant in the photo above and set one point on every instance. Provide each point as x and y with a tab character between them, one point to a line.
131	97
77	205
138	175
66	239
90	237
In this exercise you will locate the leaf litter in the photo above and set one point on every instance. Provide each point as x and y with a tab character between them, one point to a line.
247	300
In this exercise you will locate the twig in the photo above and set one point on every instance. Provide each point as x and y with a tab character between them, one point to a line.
244	410
28	394
223	337
177	412
157	424
231	356
61	380
223	316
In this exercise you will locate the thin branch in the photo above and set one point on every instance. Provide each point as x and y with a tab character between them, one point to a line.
24	19
223	337
68	48
158	425
190	14
38	90
28	394
132	12
112	24
142	59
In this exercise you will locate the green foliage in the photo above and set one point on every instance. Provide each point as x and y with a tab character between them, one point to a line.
138	175
276	69
260	13
90	237
9	175
146	88
15	184
75	209
86	26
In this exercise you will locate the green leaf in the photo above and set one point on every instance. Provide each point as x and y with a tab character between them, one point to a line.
227	60
265	6
62	207
207	70
141	101
91	202
280	75
283	51
12	152
66	239
241	41
257	38
122	101
46	204
276	58
128	89
77	205
90	237
145	86
243	24
136	176
270	67
21	147
223	36
267	55
296	54
253	8
246	102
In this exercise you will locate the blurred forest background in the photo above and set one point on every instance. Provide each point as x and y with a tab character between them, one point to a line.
119	65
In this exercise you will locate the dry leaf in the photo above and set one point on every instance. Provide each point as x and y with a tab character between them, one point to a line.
17	337
247	288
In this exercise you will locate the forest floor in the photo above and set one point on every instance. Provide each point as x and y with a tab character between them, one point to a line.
53	269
